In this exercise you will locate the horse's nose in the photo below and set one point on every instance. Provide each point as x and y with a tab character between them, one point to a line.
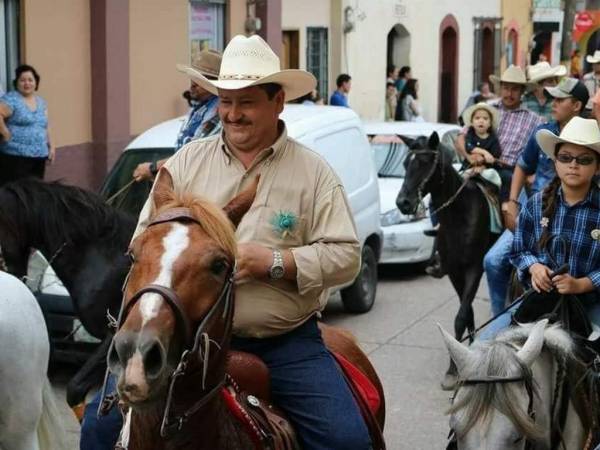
151	352
403	205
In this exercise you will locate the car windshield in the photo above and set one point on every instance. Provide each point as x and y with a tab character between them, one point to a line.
123	195
389	153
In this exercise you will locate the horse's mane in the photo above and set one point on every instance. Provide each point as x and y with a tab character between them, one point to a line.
52	212
212	219
498	358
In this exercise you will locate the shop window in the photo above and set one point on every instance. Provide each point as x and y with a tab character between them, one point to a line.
207	25
9	42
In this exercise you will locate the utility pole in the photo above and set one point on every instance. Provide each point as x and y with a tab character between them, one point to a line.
566	45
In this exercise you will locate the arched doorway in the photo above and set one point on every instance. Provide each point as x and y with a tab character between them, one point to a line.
593	44
447	106
398	46
543	46
512	47
487	53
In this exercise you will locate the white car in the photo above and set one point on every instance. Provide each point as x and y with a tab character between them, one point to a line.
403	238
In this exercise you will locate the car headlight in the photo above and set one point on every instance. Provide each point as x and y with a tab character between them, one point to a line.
395	217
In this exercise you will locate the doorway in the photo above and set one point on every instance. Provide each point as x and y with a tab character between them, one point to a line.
291	49
448	70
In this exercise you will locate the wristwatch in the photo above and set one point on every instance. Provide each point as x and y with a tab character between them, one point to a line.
277	269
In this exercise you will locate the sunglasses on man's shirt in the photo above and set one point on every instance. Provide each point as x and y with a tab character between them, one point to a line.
583	160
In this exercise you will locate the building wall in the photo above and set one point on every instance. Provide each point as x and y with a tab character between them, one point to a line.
56	41
366	49
297	15
158	33
517	14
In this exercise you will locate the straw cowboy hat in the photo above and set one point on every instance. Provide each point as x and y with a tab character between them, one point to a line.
578	131
544	70
468	114
593	59
514	74
249	61
208	63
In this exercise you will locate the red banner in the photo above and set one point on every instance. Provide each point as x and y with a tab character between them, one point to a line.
584	22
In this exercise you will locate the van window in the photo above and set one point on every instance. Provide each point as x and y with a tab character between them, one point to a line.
348	152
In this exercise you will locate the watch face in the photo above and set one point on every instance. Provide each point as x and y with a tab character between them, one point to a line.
277	272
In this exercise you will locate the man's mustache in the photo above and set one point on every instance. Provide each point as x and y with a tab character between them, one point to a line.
237	122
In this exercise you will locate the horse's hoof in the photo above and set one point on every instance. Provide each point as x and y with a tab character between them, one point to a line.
449	382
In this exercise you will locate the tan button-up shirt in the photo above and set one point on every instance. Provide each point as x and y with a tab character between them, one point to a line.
296	181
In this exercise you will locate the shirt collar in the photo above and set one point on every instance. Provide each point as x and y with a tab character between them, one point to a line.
592	199
268	153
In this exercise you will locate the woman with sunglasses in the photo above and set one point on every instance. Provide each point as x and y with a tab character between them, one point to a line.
561	224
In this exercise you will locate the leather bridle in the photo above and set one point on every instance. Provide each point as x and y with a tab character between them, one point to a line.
197	345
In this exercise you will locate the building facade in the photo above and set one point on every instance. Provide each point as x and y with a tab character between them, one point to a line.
517	31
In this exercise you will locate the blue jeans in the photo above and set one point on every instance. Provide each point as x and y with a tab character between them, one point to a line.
100	434
498	270
305	382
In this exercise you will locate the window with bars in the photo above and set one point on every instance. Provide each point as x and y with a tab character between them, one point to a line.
9	42
317	57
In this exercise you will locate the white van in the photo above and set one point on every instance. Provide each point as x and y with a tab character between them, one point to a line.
336	133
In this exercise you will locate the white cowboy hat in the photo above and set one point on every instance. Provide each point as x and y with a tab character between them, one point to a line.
208	63
514	74
467	115
543	70
249	61
593	59
578	131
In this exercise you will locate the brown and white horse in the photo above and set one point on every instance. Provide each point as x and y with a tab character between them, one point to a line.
171	350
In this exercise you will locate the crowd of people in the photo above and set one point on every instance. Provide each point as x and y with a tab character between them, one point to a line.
401	95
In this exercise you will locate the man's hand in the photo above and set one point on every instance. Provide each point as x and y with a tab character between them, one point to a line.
476	159
142	172
510	212
540	278
254	262
487	156
566	284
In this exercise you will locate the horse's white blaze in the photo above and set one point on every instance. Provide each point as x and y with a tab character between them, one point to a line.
174	243
136	375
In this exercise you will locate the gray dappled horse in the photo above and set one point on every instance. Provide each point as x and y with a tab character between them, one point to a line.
29	419
509	394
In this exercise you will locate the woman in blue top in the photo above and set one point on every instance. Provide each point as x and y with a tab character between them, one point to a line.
25	144
561	224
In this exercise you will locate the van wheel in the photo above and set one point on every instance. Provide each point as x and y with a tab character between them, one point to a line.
360	296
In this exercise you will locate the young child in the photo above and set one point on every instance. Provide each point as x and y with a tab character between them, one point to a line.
481	142
561	224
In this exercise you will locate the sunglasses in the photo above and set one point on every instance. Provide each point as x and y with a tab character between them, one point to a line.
584	160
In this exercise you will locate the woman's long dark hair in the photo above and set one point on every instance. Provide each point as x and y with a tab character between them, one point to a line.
410	88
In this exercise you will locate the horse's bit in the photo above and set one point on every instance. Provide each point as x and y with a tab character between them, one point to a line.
198	347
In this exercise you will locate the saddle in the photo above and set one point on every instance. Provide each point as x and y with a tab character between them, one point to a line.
248	396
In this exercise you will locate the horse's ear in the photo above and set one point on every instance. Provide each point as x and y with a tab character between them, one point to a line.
239	205
163	191
408	141
460	354
434	141
533	346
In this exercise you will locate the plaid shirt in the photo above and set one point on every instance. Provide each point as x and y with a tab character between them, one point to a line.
516	125
531	102
576	246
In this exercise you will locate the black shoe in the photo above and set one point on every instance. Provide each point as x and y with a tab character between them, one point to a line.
433	232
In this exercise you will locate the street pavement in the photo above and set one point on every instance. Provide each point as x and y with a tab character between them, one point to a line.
401	338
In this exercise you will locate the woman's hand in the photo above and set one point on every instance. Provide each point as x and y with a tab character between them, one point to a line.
566	284
5	133
51	154
540	278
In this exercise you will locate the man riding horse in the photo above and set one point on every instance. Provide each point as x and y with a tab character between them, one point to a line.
297	240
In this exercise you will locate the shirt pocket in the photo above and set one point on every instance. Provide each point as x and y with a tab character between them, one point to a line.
281	227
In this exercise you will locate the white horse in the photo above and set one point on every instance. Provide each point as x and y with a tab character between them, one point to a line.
29	419
507	388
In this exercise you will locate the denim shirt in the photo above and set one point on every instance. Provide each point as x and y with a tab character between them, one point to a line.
202	121
534	161
28	129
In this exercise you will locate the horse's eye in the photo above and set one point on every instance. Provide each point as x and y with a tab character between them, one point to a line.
218	266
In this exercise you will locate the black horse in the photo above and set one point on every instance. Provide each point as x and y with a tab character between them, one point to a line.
462	210
85	240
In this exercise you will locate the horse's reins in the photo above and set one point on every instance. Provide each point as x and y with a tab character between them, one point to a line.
198	347
110	199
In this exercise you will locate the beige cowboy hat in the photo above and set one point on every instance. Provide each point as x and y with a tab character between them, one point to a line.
249	61
208	63
544	70
468	114
514	74
593	59
578	131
